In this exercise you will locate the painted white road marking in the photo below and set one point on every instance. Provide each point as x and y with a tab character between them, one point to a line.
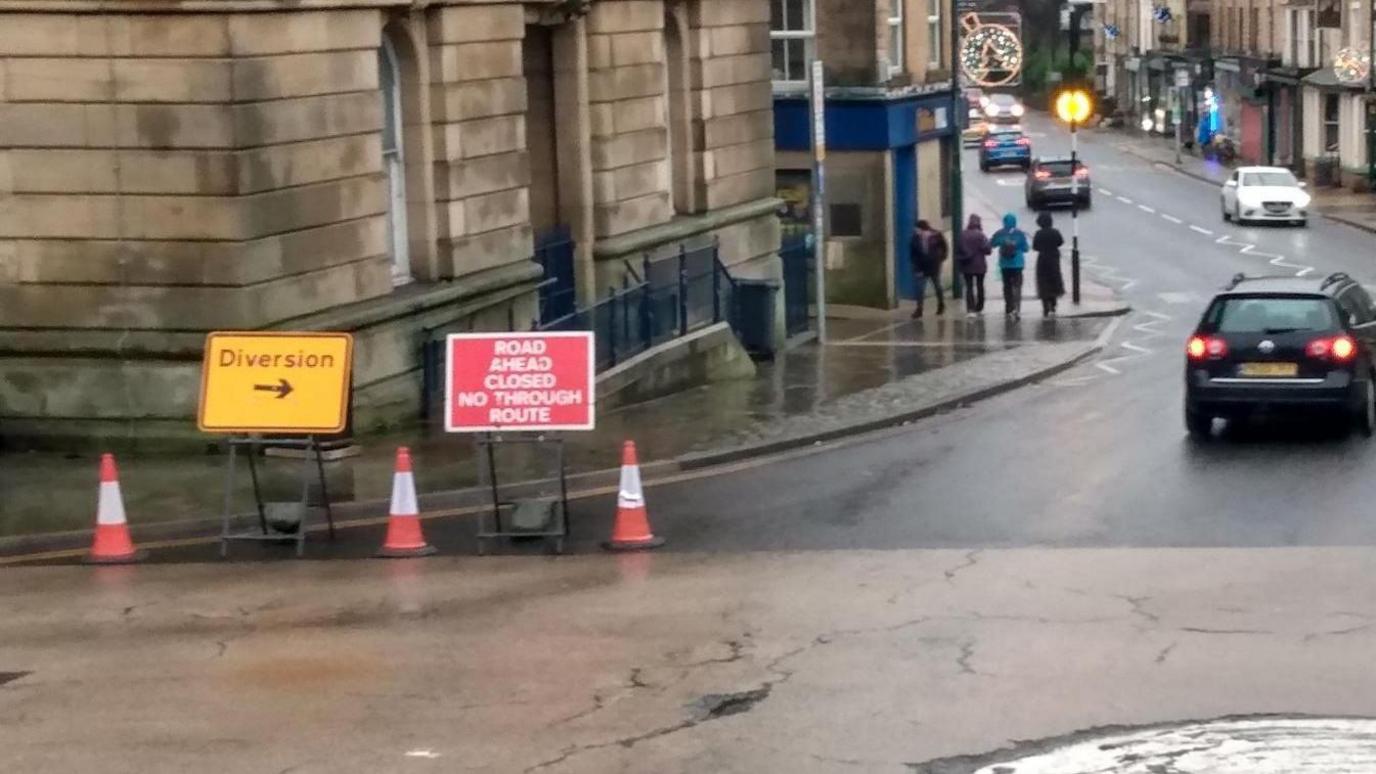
1105	192
429	754
1201	230
1277	260
1173	219
1178	297
1145	208
1003	181
1124	199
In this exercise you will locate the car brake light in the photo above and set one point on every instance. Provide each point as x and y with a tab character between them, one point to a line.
991	144
1042	174
1200	347
1023	141
1341	349
1344	348
1082	172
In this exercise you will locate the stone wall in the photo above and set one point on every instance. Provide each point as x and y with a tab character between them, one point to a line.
482	166
182	168
188	172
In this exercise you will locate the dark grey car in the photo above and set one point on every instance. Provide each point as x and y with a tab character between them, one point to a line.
1052	181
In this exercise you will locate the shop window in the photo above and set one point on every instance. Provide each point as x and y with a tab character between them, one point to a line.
846	221
1331	123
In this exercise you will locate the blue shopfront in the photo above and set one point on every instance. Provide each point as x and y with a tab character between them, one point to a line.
888	159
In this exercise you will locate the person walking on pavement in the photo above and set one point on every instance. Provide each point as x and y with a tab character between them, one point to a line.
972	251
1047	244
929	250
1011	244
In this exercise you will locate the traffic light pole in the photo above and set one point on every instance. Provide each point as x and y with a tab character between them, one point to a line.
1074	213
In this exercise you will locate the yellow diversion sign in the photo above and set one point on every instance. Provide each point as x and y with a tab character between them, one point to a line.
259	382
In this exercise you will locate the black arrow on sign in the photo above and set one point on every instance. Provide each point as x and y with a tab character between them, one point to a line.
282	388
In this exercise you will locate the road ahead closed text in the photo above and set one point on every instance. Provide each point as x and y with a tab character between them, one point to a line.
506	381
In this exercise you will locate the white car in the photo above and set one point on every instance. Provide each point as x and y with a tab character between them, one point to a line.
1265	194
1003	108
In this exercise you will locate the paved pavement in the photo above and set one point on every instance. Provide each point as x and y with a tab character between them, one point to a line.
1047	562
858	379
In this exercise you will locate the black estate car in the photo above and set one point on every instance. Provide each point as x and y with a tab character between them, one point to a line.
1283	343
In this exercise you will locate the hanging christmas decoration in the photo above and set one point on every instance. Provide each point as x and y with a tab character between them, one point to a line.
991	52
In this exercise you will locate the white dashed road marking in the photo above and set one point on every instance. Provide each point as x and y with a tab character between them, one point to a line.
1105	192
1145	208
1124	200
1201	230
1178	298
1173	219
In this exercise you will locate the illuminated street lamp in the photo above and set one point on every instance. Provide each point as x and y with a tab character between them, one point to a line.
1074	106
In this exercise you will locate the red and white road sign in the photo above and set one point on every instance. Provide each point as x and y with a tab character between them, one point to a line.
519	381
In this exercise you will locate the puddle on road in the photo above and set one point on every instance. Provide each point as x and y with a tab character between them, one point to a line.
1254	745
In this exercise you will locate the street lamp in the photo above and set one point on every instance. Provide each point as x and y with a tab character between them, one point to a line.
1074	106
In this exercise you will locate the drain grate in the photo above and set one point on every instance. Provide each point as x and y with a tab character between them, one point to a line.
9	677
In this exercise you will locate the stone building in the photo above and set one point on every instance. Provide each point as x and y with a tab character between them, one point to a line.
385	167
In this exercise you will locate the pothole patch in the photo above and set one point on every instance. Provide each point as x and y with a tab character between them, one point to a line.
1237	745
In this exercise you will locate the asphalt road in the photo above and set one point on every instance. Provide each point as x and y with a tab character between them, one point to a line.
1097	457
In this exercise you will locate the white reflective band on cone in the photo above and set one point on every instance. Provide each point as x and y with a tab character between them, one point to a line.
404	495
110	509
630	493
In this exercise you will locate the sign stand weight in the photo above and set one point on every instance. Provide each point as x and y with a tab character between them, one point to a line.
312	462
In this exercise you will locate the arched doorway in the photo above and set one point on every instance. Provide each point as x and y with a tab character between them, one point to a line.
394	162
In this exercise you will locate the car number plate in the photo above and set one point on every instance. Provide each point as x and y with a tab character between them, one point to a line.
1272	370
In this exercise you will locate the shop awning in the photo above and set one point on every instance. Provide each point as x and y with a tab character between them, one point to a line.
1324	78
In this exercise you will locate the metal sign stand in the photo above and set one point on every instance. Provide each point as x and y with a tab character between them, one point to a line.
533	517
264	532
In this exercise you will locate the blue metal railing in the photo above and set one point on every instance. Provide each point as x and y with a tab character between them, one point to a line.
666	299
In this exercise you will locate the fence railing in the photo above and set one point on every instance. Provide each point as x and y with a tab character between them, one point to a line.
670	298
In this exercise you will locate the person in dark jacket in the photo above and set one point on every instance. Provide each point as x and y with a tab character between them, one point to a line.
1047	245
1011	244
929	251
972	253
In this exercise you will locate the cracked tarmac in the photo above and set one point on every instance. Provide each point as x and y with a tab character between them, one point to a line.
800	661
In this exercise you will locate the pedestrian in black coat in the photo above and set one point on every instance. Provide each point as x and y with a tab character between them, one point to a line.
1046	243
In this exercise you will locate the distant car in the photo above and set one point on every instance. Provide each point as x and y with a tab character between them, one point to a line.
1003	109
1005	147
977	124
1265	194
1283	343
1053	181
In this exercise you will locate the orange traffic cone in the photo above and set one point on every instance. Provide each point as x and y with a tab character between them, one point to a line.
632	528
404	536
112	544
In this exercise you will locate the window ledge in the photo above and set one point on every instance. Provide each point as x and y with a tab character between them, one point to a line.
683	227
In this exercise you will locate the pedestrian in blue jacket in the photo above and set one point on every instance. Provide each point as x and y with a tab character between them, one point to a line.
1010	243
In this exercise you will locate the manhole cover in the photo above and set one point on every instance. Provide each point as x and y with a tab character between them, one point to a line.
9	677
1256	745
